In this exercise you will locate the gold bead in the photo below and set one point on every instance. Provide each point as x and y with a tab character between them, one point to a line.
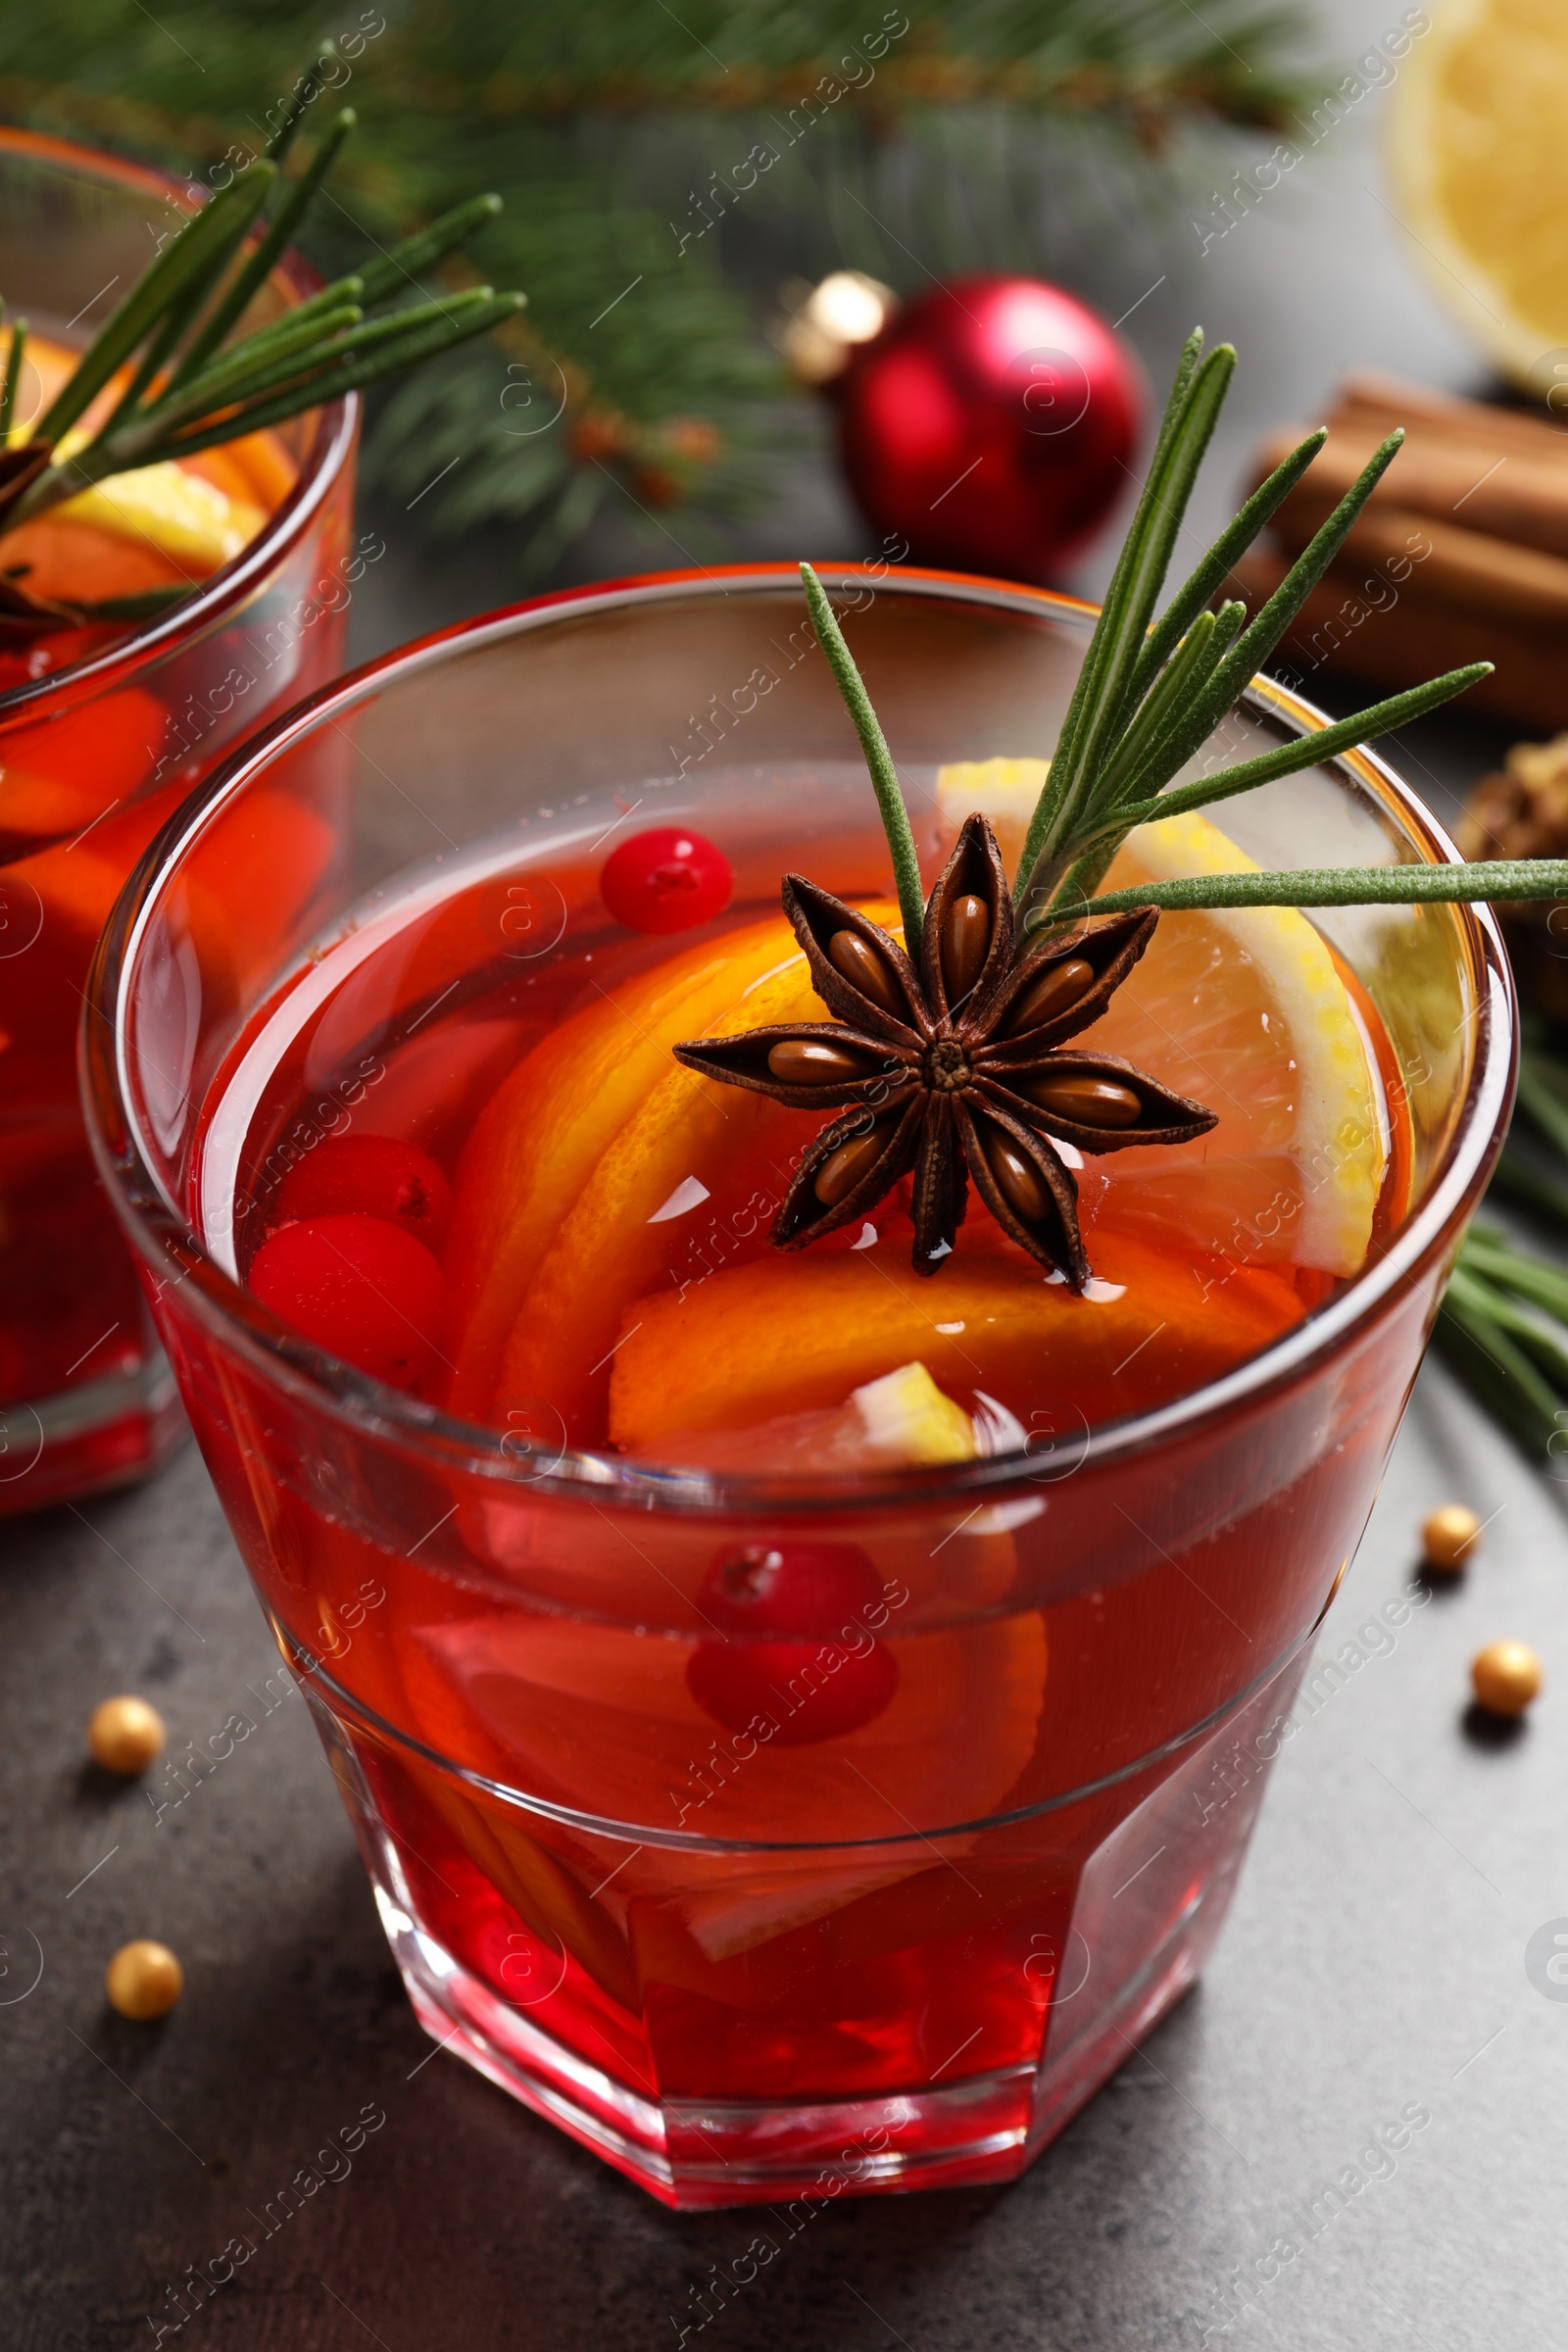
1506	1677
125	1735
1450	1537
143	1979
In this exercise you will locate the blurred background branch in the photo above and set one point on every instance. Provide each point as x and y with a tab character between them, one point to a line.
665	173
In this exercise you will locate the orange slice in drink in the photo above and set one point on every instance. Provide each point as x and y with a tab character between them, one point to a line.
785	1335
601	1718
555	1220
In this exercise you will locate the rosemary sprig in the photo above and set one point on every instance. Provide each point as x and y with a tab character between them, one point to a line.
1503	1324
189	385
1513	1179
1153	689
1476	1330
878	758
1544	1103
13	359
1151	693
1335	886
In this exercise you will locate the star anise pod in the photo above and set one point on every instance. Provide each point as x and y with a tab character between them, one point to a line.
957	1068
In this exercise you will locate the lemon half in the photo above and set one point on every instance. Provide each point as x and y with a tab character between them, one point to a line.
1477	136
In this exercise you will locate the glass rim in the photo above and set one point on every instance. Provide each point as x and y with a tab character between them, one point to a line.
368	1407
321	465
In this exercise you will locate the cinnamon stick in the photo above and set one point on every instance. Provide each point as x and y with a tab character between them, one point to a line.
1467	571
1494	490
1378	402
1412	638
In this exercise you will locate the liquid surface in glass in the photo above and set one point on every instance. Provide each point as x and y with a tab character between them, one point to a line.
608	1280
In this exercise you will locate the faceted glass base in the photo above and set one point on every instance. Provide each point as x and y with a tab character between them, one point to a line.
986	2130
83	1441
1151	1891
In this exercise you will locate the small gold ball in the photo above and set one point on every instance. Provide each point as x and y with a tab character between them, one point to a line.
1449	1537
1506	1677
125	1735
143	1979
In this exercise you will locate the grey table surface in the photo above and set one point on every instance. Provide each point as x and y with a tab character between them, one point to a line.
1374	1963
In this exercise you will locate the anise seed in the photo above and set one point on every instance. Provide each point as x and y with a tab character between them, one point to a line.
843	1169
965	937
809	1061
860	962
931	1036
1086	1101
1053	992
1016	1180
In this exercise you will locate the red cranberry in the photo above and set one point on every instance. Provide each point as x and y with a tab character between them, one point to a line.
789	1588
361	1289
370	1176
808	1690
830	1679
667	879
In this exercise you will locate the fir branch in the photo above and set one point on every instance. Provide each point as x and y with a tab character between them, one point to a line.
1505	1320
944	143
1517	1272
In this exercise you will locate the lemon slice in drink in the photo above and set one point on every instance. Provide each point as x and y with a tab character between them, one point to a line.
1004	791
186	518
1244	1008
1477	153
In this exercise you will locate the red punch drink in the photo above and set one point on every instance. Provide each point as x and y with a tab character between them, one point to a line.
104	728
803	1709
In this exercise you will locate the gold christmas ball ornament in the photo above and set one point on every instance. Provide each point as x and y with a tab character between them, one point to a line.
1506	1676
126	1735
827	323
143	1979
1449	1537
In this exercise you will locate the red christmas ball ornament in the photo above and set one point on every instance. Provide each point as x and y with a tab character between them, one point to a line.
991	423
666	879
